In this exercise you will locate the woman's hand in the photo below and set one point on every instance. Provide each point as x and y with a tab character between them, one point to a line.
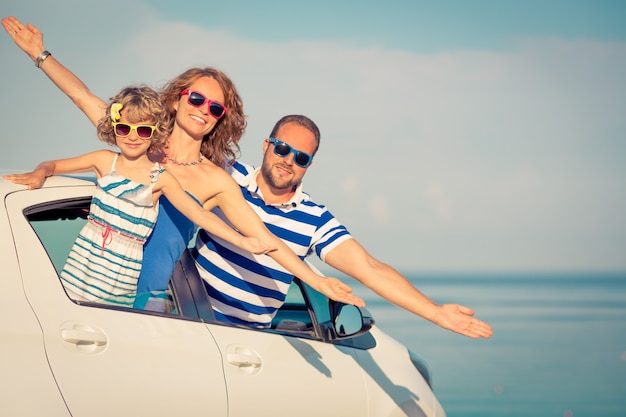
256	246
28	38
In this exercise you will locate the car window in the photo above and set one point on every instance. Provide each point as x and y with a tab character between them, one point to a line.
294	315
319	303
57	224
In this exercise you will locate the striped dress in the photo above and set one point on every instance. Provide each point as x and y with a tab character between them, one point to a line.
105	260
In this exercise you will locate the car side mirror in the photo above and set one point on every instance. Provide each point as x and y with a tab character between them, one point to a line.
348	321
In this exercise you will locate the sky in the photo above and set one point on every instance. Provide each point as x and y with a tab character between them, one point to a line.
480	136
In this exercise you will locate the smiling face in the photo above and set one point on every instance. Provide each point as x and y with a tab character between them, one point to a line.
132	146
197	121
281	174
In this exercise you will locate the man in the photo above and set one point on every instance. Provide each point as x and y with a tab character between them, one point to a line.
248	289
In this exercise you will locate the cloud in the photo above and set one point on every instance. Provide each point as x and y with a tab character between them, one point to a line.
349	185
378	209
436	195
525	142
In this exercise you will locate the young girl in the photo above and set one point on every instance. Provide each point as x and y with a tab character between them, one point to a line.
105	261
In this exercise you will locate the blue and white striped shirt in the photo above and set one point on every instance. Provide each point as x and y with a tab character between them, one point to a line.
246	288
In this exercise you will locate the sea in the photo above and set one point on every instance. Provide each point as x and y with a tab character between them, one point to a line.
558	349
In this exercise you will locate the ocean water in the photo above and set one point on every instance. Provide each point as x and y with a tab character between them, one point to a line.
558	349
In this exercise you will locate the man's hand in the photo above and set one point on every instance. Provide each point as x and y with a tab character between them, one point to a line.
459	319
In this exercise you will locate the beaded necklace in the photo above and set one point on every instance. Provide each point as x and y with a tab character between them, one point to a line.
185	163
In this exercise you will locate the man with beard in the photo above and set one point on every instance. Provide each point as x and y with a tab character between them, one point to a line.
248	290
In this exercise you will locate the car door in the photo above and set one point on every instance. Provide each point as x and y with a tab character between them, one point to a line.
290	373
24	367
108	361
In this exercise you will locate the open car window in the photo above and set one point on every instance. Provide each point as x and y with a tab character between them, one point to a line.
294	315
57	224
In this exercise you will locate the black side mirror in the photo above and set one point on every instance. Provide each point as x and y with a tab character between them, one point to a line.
348	320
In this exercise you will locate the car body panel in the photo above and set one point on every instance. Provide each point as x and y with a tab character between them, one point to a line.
63	358
289	376
391	384
23	364
123	357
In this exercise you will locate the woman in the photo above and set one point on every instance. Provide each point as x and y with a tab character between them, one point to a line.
204	138
105	260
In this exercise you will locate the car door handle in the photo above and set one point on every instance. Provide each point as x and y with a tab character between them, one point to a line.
244	360
81	336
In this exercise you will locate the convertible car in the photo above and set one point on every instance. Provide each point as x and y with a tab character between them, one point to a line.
68	358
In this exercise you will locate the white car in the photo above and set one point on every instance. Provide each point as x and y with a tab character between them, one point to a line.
66	358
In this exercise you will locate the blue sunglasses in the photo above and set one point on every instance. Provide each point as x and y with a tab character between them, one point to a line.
282	149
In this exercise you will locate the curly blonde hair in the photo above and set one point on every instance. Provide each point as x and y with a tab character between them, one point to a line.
139	104
221	144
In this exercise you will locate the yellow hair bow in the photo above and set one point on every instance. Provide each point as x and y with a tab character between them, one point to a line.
115	111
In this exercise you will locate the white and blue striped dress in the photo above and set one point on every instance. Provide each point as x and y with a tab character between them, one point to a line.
105	260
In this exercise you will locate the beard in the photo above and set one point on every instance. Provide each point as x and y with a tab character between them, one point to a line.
277	181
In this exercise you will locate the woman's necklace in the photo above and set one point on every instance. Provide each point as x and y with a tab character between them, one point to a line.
185	163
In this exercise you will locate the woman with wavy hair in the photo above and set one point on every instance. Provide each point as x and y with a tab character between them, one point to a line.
105	261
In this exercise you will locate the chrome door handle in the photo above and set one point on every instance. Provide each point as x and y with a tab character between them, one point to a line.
243	360
82	336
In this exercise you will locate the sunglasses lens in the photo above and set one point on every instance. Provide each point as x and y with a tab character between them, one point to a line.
196	99
122	129
302	159
144	132
216	109
282	149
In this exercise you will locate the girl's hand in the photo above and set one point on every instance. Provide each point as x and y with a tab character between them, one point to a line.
338	291
32	180
256	246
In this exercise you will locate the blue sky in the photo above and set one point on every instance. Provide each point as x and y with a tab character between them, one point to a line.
456	135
